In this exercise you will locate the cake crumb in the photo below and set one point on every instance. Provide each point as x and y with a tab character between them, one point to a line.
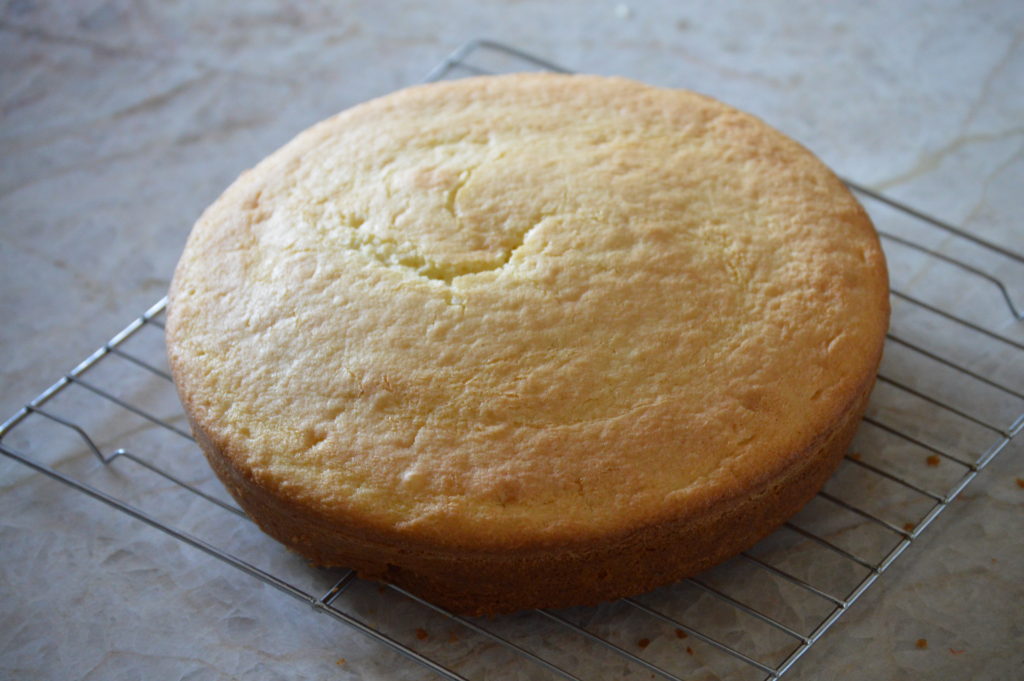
909	527
922	643
644	642
421	634
855	456
689	650
932	460
453	637
680	633
957	651
1020	483
340	661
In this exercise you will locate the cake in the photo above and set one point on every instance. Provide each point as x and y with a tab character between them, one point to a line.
528	341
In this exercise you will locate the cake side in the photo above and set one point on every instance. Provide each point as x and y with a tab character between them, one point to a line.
586	572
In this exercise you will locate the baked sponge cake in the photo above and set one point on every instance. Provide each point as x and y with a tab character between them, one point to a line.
530	340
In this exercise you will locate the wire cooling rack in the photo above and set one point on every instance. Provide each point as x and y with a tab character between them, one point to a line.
949	399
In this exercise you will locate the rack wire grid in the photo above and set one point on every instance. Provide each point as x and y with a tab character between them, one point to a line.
950	397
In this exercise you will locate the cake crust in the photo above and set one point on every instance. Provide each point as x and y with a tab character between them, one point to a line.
531	340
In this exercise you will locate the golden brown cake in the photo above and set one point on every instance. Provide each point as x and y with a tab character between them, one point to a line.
529	341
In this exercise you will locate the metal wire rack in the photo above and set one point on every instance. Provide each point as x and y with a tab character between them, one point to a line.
950	397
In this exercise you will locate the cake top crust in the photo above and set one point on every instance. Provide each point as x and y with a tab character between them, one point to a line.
508	311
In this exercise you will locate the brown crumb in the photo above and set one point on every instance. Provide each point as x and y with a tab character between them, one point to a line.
957	651
909	527
689	650
1020	483
381	588
422	634
644	642
854	455
340	661
680	633
933	460
453	637
922	643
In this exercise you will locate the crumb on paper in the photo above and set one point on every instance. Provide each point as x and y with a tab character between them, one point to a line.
453	637
340	661
680	633
1020	483
957	651
421	634
689	650
623	11
933	460
922	643
855	456
644	642
909	527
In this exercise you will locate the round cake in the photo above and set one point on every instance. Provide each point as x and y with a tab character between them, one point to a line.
529	341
